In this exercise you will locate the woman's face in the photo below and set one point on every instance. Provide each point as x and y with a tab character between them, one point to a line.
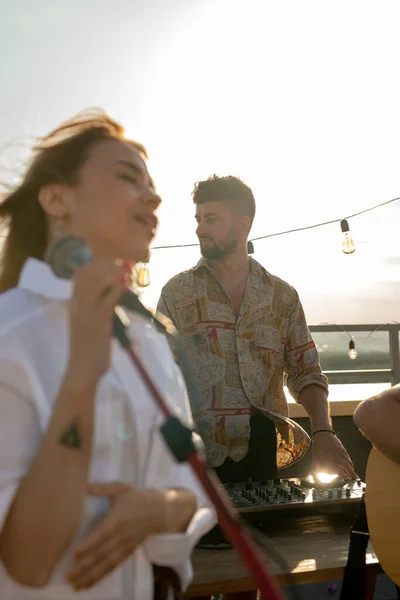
113	204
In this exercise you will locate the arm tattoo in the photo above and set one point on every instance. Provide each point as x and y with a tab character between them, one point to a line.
71	437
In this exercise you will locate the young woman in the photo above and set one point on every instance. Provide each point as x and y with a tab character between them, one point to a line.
90	498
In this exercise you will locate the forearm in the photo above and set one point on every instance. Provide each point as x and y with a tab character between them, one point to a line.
182	507
314	400
169	510
47	509
379	420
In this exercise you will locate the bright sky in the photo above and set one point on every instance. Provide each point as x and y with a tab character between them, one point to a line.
299	99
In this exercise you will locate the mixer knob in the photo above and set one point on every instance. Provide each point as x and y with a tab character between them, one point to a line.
330	494
338	493
303	496
359	483
249	484
289	497
253	499
277	481
348	492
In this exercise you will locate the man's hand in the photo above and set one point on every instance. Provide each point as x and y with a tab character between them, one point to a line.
330	456
134	515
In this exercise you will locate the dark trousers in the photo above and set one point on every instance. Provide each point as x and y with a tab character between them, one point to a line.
259	464
260	460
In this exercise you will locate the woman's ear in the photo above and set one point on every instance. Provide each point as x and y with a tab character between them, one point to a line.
54	199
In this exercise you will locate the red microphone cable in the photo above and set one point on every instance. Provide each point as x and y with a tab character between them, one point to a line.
179	439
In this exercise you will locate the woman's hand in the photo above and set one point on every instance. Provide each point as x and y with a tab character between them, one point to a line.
134	516
98	288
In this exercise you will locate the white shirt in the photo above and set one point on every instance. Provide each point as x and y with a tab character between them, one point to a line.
128	446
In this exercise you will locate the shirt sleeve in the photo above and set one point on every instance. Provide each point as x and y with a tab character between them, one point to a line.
166	305
301	356
174	550
19	432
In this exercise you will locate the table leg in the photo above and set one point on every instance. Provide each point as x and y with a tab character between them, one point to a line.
371	576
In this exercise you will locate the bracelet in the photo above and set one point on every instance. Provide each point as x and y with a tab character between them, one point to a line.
324	431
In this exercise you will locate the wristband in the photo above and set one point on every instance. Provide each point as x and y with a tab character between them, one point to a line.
324	431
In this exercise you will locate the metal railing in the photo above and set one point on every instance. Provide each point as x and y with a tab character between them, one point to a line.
374	375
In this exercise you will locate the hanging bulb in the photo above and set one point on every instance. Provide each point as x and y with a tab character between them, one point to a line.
352	350
143	276
348	245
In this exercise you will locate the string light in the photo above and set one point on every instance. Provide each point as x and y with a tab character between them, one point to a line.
352	350
250	247
264	237
143	275
352	345
348	245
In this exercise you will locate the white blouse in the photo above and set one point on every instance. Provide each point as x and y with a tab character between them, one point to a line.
128	446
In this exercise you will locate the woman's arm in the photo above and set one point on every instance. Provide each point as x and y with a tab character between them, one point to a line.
379	420
47	508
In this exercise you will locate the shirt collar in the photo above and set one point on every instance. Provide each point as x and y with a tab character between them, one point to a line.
37	277
258	288
254	266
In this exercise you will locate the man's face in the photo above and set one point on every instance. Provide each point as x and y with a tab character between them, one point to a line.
217	229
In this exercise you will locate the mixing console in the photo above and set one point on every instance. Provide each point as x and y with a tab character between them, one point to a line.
256	496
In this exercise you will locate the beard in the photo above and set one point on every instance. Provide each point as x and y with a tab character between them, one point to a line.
214	251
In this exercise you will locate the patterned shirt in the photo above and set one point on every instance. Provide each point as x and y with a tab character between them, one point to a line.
238	363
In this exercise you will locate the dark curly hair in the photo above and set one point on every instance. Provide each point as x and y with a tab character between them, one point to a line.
231	190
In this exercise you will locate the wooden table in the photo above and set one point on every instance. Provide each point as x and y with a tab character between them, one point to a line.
315	549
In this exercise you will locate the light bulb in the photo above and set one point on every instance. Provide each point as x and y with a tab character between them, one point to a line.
348	245
143	276
250	247
352	350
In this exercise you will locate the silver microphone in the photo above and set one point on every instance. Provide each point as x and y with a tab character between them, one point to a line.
66	254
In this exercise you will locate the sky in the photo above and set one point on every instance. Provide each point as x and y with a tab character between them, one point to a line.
298	99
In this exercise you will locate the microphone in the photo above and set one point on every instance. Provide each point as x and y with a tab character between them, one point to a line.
64	256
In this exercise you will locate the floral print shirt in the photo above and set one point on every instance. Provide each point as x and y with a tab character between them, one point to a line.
239	362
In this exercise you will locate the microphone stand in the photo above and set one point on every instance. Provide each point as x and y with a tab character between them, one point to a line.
179	439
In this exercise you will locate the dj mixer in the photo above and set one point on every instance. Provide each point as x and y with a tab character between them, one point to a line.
294	494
